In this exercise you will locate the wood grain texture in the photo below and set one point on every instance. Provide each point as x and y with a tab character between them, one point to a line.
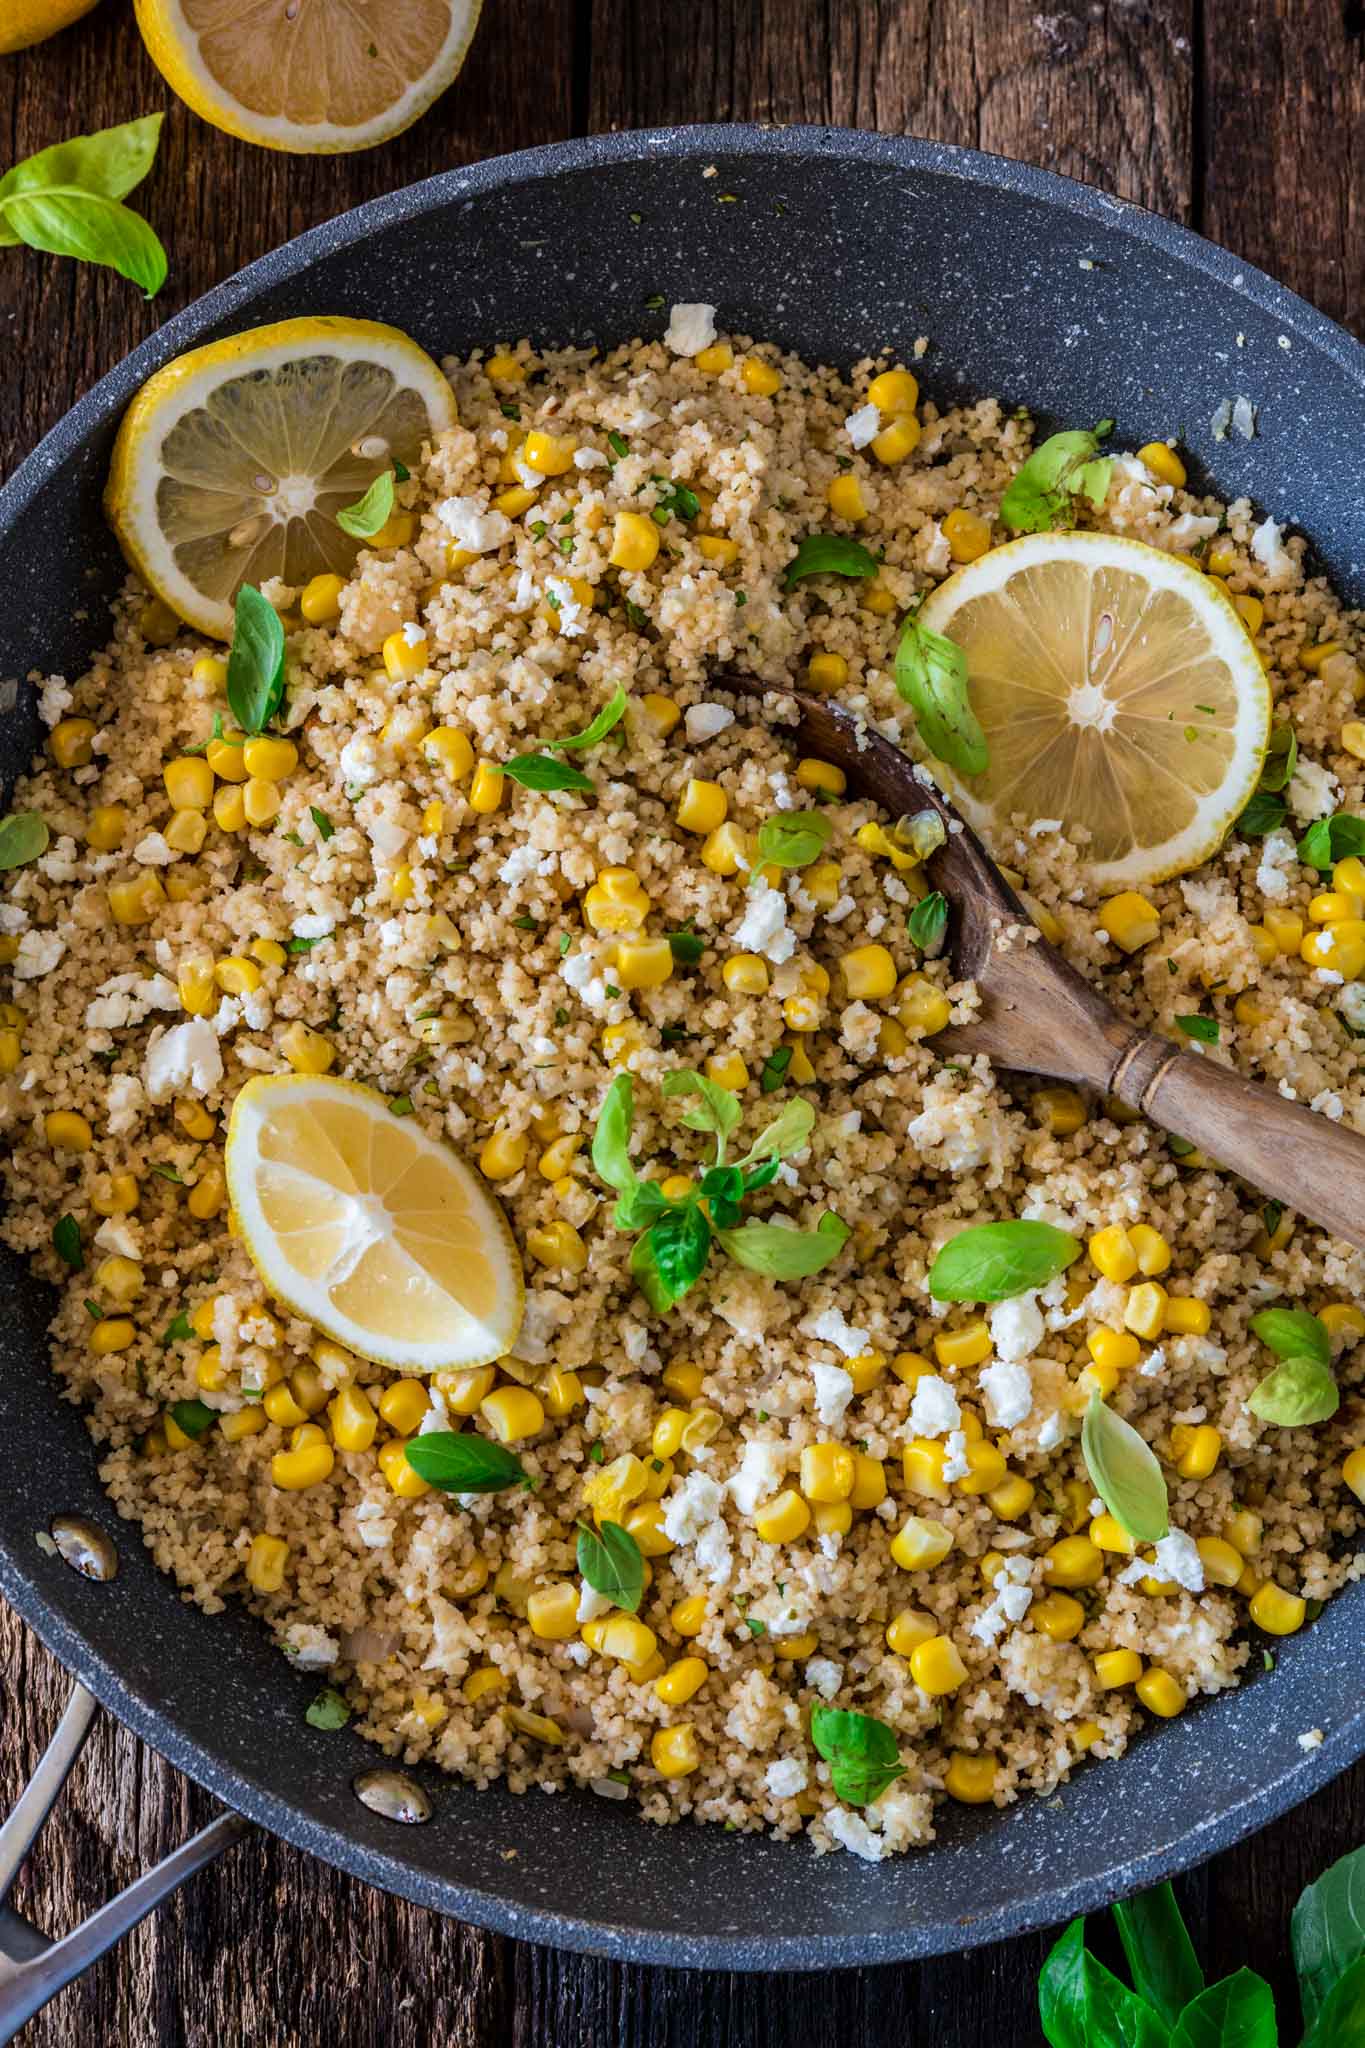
1245	118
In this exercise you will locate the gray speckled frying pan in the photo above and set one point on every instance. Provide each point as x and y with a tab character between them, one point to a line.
836	244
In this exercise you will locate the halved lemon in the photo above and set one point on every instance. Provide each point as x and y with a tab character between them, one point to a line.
309	75
232	463
376	1233
32	21
1119	693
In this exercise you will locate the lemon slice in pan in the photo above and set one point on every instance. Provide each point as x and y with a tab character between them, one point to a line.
1118	691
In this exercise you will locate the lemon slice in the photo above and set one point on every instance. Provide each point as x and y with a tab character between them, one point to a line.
376	1233
309	75
232	463
32	21
1119	693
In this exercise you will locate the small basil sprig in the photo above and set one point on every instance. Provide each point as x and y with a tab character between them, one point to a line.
370	514
992	1261
1281	759
1062	468
1124	1473
861	1751
23	837
66	200
255	675
611	1563
1203	1029
1159	1952
931	675
928	921
542	771
1327	1933
1328	840
829	554
1301	1389
791	839
611	714
1263	814
461	1461
1293	1333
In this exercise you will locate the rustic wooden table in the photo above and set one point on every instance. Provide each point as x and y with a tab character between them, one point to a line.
1245	118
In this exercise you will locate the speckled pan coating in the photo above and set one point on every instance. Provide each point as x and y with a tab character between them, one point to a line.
835	244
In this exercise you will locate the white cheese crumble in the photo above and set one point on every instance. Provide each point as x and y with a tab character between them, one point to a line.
1311	1738
569	613
124	1099
1313	791
311	1648
934	1410
39	953
185	1057
759	1475
833	1392
1267	544
470	525
704	721
1016	1327
863	426
785	1778
955	1465
1013	1598
825	1675
832	1327
763	927
1008	1389
1277	854
691	328
1177	1557
687	1512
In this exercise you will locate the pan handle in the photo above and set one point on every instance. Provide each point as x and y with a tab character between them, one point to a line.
32	1968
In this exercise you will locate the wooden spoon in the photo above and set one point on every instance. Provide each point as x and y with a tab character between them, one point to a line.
1040	1016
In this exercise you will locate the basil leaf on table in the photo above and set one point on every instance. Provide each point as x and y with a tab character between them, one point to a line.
992	1261
370	514
1293	1333
1125	1473
1161	1957
829	554
792	839
782	1252
931	675
1236	2012
23	837
66	201
1341	2023
544	772
1298	1392
108	163
928	921
611	1138
1061	468
1328	840
255	675
1083	2005
1327	1931
861	1751
461	1461
611	1563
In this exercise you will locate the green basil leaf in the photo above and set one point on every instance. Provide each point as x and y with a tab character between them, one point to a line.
1281	758
370	514
1161	1957
1041	492
611	1138
992	1261
1327	1931
66	221
542	771
1332	839
829	554
862	1752
612	712
1264	813
1237	2012
1341	2023
722	1189
23	836
178	1330
1205	1029
324	824
1125	1473
679	1245
255	677
793	839
931	675
762	1175
786	1133
328	1710
1293	1333
1298	1392
928	921
718	1110
686	947
460	1461
775	1069
783	1253
676	501
1083	2005
66	1242
611	1563
109	162
194	1417
640	1207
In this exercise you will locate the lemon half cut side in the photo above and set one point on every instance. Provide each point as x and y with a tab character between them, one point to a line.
381	1236
1119	693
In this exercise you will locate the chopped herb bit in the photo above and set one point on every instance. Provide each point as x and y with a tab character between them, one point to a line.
612	989
756	1628
597	1452
169	1173
305	945
328	1711
93	1310
676	501
686	947
928	921
509	409
654	302
540	529
565	941
561	1019
741	599
637	615
293	839
177	1331
66	1242
526	924
618	444
1205	1029
400	1105
324	824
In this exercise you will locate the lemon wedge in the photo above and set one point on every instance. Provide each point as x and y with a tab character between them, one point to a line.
309	75
376	1233
32	21
232	463
1119	693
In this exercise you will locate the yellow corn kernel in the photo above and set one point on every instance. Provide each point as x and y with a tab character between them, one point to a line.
229	808
922	1007
553	1612
644	1523
971	1345
676	1686
827	1472
683	1379
616	902
1329	906
399	1476
266	1563
922	1463
1012	1498
760	378
187	831
1250	611
621	1043
745	974
1352	738
514	501
936	1666
1263	946
320	601
1285	928
11	1051
307	1051
189	783
634	542
485	791
211	670
1342	1319
1243	1530
1077	1495
1096	1379
1223	1566
968	535
920	1544
226	756
67	1131
1073	1561
136	901
270	760
194	1120
826	672
481	1683
986	1467
1106	1533
548	454
970	1778
261	800
875	597
1339	947
562	1393
202	1317
869	1482
402	1405
504	370
628	1640
404	658
674	1187
354	1422
1160	1693
1058	1616
70	742
281	1405
782	1519
503	1155
725	851
1268	1241
557	1245
208	1196
1130	920
1113	1253
558	1157
832	1517
727	1070
866	1371
1145	1310
1277	1612
110	1334
445	747
1187	1316
462	1391
702	806
513	1414
869	973
1114	1668
643	963
241	1422
724	553
663	714
307	1464
894	391
1164	463
1060	1110
1312	658
674	1752
896	441
1152	1250
1196	1450
1353	1472
821	775
908	1629
237	976
846	500
688	1618
107	826
713	360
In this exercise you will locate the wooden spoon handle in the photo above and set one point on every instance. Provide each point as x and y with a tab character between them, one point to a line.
1306	1161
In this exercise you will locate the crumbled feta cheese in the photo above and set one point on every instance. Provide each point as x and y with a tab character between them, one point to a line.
153	852
1052	1431
579	970
955	1465
1278	854
825	1675
832	1327
54	700
313	925
1311	1738
934	1410
124	1100
185	1057
1313	791
591	1604
590	458
863	426
470	525
785	1778
1177	1557
1267	544
523	861
39	953
1012	1600
759	1474
358	760
115	1234
833	1392
763	927
311	1648
1016	1327
851	1831
686	1513
691	328
1008	1389
704	721
1244	418
569	613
